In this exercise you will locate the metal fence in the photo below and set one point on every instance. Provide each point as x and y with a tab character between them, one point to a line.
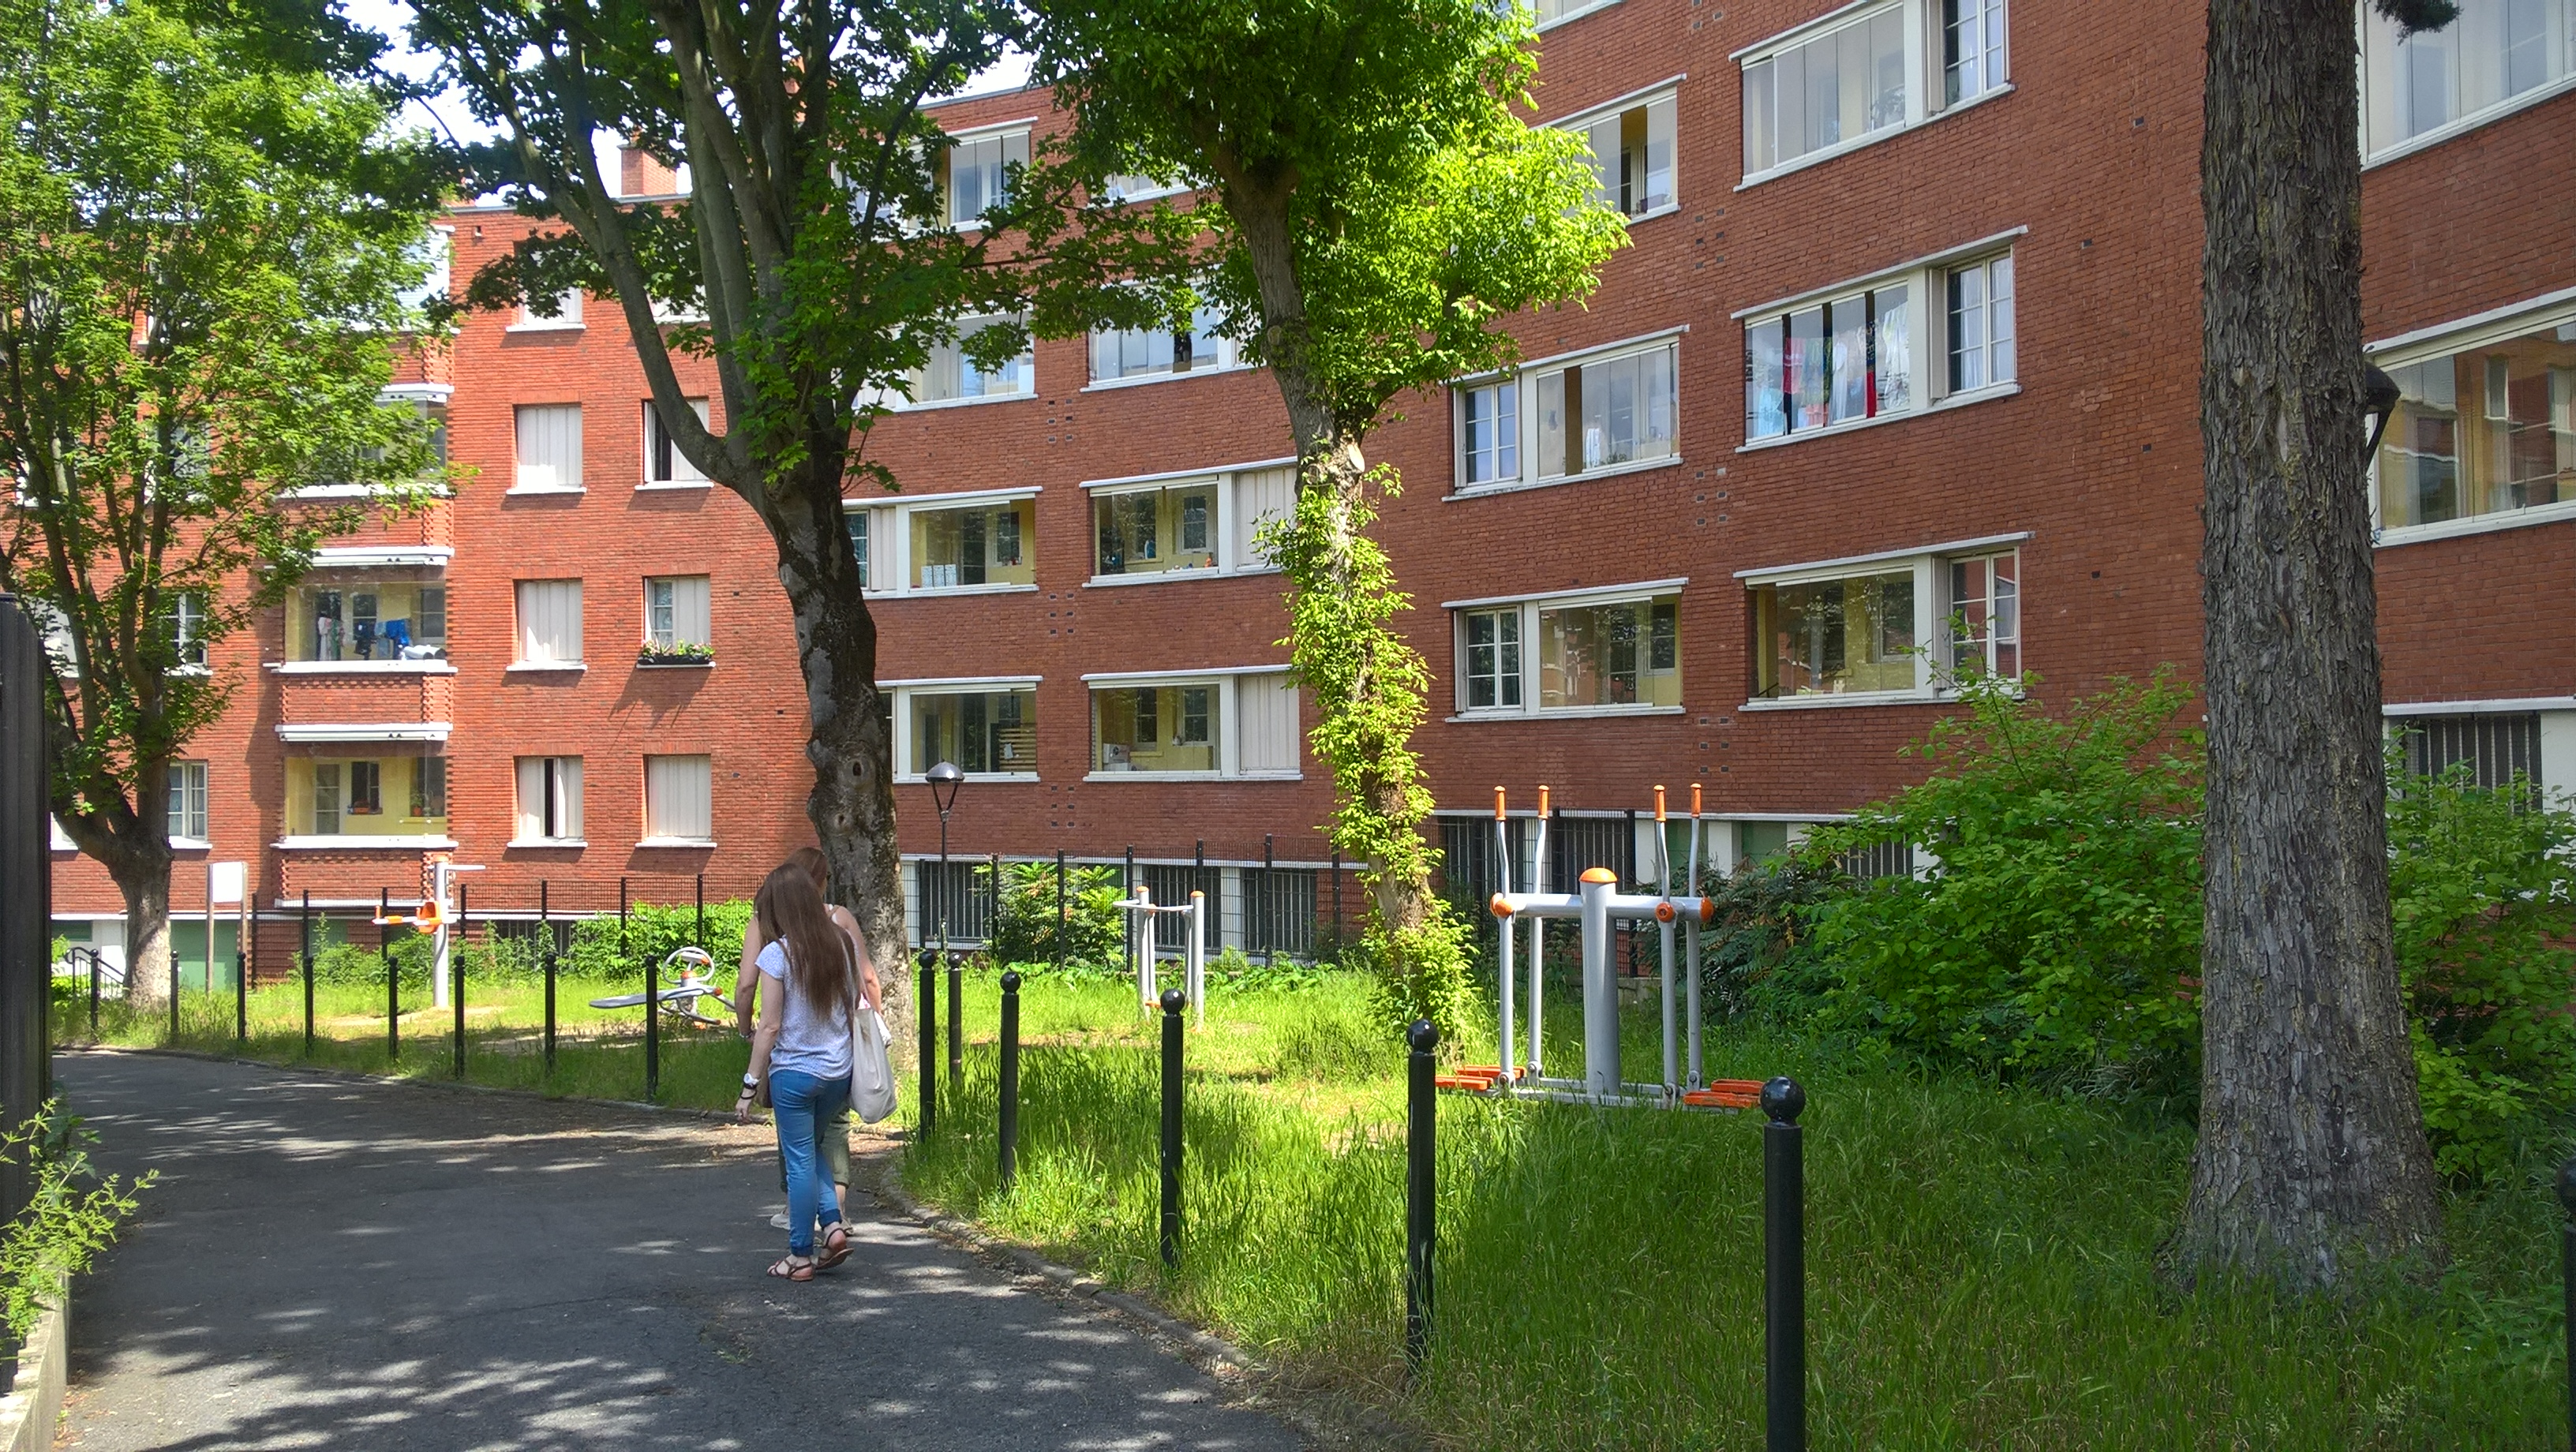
26	884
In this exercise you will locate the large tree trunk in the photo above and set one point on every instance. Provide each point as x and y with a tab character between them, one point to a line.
851	745
2312	1148
150	967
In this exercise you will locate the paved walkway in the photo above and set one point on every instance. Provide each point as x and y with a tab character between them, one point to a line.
328	1263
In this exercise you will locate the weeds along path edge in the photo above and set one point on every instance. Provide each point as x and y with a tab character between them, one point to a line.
407	1081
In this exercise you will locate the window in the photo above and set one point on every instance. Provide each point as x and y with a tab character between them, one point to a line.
677	800
1827	88
1849	358
1134	186
429	253
2476	67
567	312
950	375
188	801
1612	411
2496	747
549	799
357	621
1593	653
1632	154
982	732
1118	354
1552	11
333	797
188	630
2482	432
856	522
1494	659
663	461
1892	626
1490	422
1981	324
366	789
975	174
1233	724
981	544
549	623
428	788
549	448
1200	526
1972	48
676	613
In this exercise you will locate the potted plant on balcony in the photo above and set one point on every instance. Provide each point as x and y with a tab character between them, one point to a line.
675	653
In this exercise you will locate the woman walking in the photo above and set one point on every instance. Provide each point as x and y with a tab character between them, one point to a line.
801	1052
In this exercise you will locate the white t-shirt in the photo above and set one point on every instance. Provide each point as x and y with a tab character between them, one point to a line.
812	1038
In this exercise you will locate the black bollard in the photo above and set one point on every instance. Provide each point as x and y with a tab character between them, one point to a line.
1784	1267
1060	915
546	949
307	929
1421	1142
1010	1125
929	1012
241	998
393	987
652	1028
1174	1001
456	978
956	1015
94	962
2567	1248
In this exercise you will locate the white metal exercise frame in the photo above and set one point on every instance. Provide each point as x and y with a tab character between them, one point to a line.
1594	905
1141	910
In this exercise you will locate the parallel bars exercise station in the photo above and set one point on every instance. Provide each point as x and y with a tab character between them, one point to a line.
1141	910
1595	905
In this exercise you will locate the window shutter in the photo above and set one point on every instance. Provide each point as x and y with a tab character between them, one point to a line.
1260	495
1267	706
676	792
568	795
691	609
549	446
549	622
532	799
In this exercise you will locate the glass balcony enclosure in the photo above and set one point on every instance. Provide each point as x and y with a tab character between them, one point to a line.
375	621
366	796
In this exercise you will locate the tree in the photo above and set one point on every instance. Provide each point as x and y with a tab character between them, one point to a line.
1375	210
204	244
814	258
2312	1151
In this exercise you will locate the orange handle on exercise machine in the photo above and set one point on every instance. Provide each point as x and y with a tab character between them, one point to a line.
1498	804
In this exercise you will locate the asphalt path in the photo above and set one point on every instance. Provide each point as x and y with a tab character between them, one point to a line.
336	1263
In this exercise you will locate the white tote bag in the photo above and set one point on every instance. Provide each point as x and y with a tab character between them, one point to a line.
871	1072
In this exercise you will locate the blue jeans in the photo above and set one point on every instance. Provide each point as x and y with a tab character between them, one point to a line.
799	1101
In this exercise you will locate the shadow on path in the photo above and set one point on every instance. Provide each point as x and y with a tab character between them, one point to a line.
328	1263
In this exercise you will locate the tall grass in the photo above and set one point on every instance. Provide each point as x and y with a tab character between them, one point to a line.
1981	1259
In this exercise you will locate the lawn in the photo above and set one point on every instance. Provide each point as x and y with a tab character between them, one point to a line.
599	1053
1981	1258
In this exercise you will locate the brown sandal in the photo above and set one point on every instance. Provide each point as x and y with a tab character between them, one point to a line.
835	1247
793	1268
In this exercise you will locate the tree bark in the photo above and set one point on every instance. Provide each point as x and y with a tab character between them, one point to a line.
151	970
2312	1151
850	743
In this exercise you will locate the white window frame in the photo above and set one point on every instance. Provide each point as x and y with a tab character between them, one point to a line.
568	319
1226	526
680	612
1931	633
430	400
652	839
1663	93
437	247
1922	27
1528	609
518	465
901	401
1528	376
889	528
1229	357
908	771
188	633
1224	722
2364	19
1574	10
684	475
559	779
190	805
520	660
2442	340
1926	280
1025	129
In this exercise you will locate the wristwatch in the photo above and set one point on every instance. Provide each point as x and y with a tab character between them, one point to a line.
750	1085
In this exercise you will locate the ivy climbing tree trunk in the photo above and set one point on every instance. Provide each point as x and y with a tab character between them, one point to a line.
2312	1156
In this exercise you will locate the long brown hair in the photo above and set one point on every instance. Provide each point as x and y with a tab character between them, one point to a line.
811	861
791	912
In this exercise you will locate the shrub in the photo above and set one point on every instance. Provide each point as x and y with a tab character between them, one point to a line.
656	930
70	1215
2056	930
1027	930
347	963
2485	895
1758	956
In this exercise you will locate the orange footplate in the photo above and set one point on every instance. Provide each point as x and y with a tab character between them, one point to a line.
1726	1094
1475	1078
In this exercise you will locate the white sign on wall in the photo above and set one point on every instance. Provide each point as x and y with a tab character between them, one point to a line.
226	882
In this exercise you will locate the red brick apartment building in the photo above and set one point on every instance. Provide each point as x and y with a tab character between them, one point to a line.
1905	335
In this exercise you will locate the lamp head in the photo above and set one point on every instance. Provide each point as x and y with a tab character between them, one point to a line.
945	779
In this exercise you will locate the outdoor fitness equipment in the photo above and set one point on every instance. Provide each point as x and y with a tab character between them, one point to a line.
431	916
692	969
1596	905
1140	910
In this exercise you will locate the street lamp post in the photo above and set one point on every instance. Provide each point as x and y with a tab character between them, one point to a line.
2380	396
945	779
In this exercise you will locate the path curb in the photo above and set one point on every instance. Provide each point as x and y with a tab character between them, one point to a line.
35	1400
402	1081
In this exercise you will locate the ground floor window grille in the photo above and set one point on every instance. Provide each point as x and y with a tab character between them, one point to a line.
1279	911
1171	888
1891	858
2495	746
1575	844
959	896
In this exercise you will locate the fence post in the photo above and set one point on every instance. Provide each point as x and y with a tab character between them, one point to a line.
2567	1251
456	977
241	997
1269	923
1198	880
701	938
94	961
1784	1268
546	947
305	926
1127	891
176	977
929	1040
652	1027
393	986
1060	923
1010	1121
1173	1002
956	1008
1421	1136
1337	900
